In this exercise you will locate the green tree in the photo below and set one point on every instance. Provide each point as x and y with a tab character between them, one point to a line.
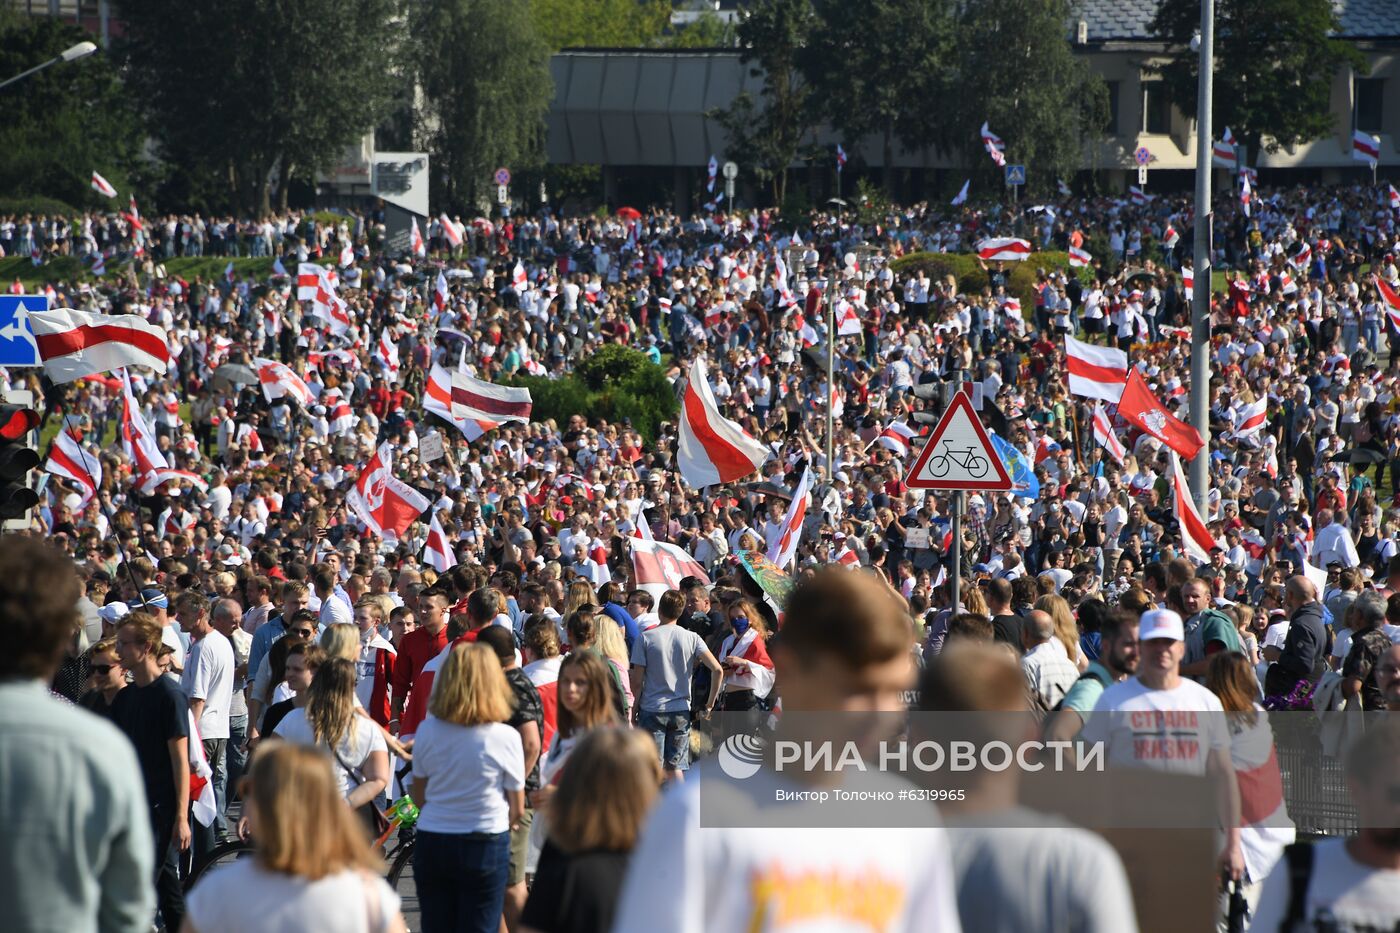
245	87
1016	71
629	24
877	67
484	72
765	134
65	122
1274	62
706	31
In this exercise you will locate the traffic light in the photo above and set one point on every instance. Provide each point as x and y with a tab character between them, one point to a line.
17	457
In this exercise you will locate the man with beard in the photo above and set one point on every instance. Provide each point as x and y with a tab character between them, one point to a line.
1118	659
1388	678
1351	883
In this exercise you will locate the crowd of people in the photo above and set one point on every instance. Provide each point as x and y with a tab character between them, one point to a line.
241	611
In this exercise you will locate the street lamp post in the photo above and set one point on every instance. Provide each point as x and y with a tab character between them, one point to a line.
1200	298
81	50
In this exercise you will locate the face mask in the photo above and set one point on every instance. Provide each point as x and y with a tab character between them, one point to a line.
741	624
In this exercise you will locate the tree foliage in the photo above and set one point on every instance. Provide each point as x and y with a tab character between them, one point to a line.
64	122
239	87
706	31
484	72
1016	71
1274	62
564	24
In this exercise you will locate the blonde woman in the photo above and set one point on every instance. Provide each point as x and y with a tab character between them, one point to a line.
1066	629
613	646
356	744
341	640
311	869
469	780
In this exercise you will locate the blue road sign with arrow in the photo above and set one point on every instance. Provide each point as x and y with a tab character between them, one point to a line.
17	346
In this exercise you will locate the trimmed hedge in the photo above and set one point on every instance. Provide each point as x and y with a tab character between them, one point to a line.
68	268
37	205
615	383
972	279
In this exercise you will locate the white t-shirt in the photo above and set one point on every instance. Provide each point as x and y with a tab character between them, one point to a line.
468	769
231	895
1343	894
209	677
362	740
170	635
685	879
1165	730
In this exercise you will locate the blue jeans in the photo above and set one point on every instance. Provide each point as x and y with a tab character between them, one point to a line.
461	880
237	757
671	732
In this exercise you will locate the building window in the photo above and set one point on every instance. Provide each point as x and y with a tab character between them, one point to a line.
1368	93
1156	109
1113	88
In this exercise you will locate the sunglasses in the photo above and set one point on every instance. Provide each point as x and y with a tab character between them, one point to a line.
302	632
100	669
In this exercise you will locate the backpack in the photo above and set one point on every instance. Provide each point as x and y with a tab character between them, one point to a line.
1090	674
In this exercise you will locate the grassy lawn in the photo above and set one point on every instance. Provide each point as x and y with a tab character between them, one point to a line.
109	439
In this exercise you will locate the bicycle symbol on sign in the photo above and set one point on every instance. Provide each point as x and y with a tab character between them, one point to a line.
968	459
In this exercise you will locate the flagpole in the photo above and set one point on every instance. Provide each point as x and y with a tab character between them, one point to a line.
1200	299
111	521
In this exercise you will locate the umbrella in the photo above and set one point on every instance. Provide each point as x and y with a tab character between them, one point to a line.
769	489
629	213
773	581
1127	275
234	374
1358	455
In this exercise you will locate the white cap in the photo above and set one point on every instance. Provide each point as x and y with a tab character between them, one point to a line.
1161	623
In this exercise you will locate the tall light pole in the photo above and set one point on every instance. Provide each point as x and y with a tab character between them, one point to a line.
1200	298
81	50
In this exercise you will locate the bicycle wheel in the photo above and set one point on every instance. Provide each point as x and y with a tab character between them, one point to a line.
977	466
938	466
225	854
401	879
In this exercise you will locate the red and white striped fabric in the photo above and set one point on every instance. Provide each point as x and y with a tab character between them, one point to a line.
1006	249
450	231
1188	279
783	550
68	459
474	399
1079	257
75	344
544	677
1252	418
103	186
347	256
1264	824
1222	153
311	277
897	437
658	566
175	520
1094	371
1365	147
386	352
713	450
756	674
995	147
1393	197
278	380
848	558
203	804
99	264
1301	259
1246	193
1196	539
440	293
1103	434
437	398
150	482
518	279
1011	305
383	502
1170	237
341	418
1139	196
847	320
1391	301
416	245
138	440
1286	283
437	551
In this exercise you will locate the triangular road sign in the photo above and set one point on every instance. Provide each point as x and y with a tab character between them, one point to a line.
959	455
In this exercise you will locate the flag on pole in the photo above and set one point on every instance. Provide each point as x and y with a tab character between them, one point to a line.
138	440
658	566
1223	153
961	197
103	186
278	380
1140	407
1245	192
474	399
995	147
229	274
347	256
1393	197
383	502
1094	371
1252	418
840	157
1103	433
1079	257
1138	195
416	245
1391	299
714	173
898	437
519	280
1365	147
74	344
1008	249
440	293
1170	237
1196	539
437	550
68	459
450	231
437	399
713	450
783	550
1023	481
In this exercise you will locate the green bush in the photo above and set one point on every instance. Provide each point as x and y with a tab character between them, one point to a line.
972	279
37	205
614	383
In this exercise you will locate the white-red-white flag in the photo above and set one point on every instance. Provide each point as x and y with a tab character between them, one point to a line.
1223	153
347	256
1196	539
1365	147
386	352
1094	371
150	482
437	398
103	186
1390	299
1393	197
382	501
756	671
277	380
75	344
68	459
995	147
1188	279
1103	433
1170	237
847	320
475	399
340	417
658	566
1079	257
1139	196
713	450
437	550
138	440
898	437
519	280
440	293
1252	418
1246	193
1006	249
416	245
203	804
450	231
961	197
784	549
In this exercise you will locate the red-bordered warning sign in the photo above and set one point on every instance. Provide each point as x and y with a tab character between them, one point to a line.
959	454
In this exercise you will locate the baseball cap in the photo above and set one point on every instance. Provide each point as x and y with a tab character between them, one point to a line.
113	612
1161	623
154	598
